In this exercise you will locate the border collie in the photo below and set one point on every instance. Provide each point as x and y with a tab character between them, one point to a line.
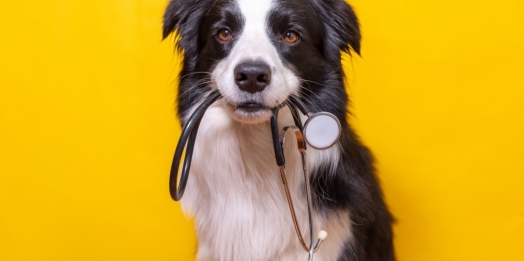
257	53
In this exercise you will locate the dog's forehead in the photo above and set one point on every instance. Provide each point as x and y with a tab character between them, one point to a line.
255	12
264	13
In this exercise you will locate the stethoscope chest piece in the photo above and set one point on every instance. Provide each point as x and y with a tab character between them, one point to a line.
322	130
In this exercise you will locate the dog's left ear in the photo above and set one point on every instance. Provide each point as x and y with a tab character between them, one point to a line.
343	30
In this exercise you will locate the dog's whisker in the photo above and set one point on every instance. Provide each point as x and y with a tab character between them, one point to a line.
311	104
194	86
310	90
193	73
309	81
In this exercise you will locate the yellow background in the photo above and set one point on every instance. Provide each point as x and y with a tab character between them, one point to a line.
87	128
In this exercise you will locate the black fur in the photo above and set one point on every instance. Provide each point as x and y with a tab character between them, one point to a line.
326	28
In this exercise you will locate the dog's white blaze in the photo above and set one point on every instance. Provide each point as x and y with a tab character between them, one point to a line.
253	44
234	191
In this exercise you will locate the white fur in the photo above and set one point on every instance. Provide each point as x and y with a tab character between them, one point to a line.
237	198
234	191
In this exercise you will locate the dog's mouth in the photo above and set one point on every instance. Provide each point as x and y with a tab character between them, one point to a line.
251	107
250	111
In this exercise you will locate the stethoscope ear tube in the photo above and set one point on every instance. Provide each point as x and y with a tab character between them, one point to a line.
279	153
296	117
299	104
187	140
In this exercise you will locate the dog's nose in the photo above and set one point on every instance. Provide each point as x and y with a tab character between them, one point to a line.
252	77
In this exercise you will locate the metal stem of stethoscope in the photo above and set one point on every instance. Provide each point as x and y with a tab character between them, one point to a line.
188	138
322	234
311	249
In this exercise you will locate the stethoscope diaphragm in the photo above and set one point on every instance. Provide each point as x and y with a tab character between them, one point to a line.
322	130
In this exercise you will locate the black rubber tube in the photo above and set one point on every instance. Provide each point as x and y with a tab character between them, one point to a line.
189	134
279	153
298	103
296	117
188	137
297	120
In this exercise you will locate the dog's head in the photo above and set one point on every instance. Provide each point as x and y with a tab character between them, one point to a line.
258	52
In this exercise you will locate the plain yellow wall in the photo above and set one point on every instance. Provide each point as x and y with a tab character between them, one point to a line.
87	128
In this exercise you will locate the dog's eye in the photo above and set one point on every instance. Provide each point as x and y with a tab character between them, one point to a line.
291	37
224	35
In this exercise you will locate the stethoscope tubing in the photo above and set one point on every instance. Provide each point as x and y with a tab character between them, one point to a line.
188	138
187	141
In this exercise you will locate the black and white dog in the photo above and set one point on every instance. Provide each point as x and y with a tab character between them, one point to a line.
257	53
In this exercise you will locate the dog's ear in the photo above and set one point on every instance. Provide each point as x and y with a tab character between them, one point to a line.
343	30
184	17
176	14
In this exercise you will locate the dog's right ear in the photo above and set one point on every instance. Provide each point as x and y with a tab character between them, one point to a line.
176	13
184	17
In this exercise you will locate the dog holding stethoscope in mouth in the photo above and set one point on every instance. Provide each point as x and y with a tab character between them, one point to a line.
267	163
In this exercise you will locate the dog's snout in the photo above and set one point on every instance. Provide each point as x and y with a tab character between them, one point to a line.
252	77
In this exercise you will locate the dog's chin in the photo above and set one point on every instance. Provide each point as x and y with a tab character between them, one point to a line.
249	112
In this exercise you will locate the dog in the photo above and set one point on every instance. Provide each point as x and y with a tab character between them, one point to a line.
257	53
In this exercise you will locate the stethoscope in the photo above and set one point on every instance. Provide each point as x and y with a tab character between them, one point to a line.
320	131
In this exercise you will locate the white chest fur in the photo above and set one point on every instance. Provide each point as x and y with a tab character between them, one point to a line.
237	198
